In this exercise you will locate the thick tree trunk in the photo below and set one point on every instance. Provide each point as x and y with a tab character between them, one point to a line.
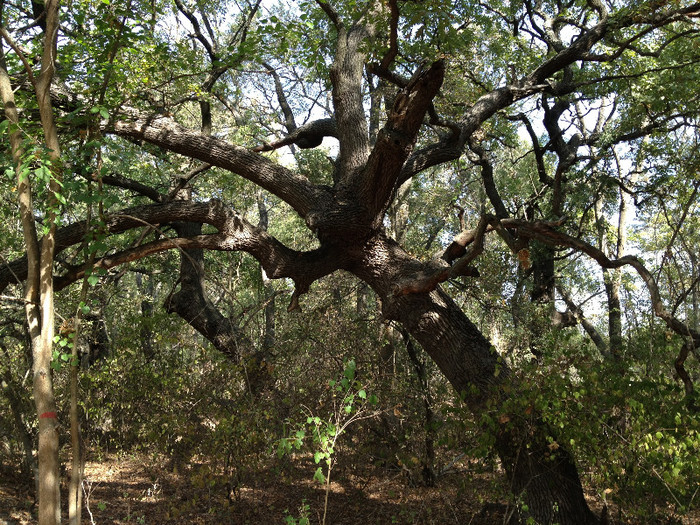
545	479
541	476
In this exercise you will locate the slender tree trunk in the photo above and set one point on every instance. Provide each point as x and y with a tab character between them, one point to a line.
75	495
612	278
39	297
146	326
75	499
614	305
269	338
49	483
429	416
541	295
695	294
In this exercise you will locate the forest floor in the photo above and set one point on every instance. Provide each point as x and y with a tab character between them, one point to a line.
138	489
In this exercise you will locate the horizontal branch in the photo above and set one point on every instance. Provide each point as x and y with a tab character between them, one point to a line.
234	234
293	188
307	136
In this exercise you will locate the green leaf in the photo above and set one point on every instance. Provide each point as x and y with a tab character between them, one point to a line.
318	475
350	369
42	173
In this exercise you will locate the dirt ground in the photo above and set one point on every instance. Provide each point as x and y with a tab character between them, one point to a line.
140	489
136	489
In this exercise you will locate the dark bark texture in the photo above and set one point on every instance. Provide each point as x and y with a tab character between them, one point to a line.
541	476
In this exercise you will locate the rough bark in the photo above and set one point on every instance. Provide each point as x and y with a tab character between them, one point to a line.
544	478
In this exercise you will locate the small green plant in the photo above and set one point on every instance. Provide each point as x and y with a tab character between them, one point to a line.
303	518
350	403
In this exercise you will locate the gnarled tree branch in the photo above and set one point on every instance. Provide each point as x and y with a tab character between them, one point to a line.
161	131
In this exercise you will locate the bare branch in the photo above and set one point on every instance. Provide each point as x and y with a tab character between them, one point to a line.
546	233
331	13
427	280
585	323
307	136
289	121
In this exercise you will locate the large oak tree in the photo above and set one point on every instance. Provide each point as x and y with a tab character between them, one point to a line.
411	87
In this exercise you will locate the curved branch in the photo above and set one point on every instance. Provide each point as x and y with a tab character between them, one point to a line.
235	234
393	30
544	178
212	212
161	131
536	82
493	101
545	233
435	154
